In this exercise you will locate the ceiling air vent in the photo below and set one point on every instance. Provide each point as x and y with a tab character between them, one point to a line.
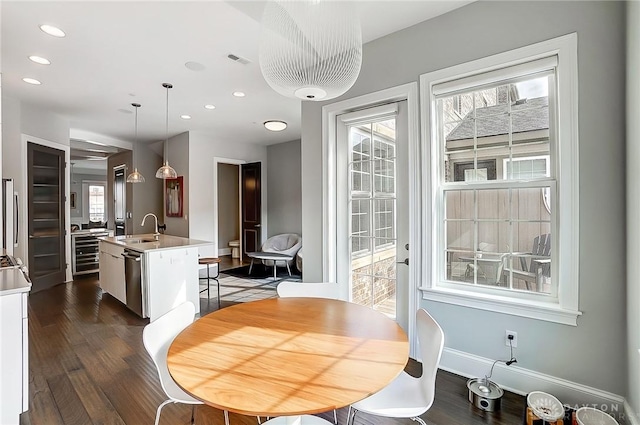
238	59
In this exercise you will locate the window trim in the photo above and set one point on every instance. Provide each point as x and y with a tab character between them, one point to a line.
565	308
86	213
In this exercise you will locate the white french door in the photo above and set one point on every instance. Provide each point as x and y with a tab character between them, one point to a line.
372	171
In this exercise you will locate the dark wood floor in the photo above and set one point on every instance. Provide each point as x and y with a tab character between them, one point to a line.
88	366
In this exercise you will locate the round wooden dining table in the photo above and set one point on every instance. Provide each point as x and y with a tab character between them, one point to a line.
288	356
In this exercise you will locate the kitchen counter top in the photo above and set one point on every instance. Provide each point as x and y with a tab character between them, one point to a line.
12	281
146	242
89	231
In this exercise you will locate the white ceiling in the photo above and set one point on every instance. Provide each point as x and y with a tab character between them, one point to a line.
119	52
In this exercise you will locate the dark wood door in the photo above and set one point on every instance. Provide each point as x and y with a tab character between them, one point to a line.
46	219
251	207
119	200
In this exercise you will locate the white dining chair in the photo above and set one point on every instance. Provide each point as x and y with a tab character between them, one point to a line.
406	396
289	289
157	337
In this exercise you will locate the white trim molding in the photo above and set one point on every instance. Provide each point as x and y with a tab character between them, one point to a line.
522	381
24	218
219	160
408	92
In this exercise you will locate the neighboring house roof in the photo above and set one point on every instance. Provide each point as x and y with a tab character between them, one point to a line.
494	121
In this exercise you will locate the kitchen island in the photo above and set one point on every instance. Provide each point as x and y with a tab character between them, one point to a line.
150	276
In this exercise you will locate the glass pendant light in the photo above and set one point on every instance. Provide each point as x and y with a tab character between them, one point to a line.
166	172
135	177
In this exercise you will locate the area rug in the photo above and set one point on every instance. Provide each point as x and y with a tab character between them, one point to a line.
243	289
260	271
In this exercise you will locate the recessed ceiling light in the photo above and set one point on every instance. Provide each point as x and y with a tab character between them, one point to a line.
238	94
209	106
31	81
40	60
194	66
185	117
51	30
275	125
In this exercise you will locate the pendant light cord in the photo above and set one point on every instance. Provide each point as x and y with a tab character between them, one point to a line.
135	168
166	132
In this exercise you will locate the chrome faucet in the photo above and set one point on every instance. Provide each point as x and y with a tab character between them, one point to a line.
156	234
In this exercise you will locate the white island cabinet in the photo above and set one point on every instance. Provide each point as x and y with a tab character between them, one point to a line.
14	346
172	277
112	271
151	276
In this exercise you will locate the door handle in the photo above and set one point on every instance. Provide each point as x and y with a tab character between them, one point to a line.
258	225
405	262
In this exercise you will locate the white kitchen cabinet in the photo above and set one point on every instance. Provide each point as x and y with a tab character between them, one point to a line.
170	277
14	349
112	271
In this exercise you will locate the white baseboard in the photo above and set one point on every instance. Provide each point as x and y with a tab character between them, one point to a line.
522	381
631	417
224	251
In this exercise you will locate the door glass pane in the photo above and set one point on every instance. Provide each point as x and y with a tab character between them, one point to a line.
372	195
96	203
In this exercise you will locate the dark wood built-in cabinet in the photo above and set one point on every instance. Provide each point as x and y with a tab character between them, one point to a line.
46	199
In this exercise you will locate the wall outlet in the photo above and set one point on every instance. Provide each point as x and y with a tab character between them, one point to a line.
514	338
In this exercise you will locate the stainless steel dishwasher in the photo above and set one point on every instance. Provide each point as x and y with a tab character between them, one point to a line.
133	280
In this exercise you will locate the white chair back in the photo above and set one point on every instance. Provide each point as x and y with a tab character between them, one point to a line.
287	289
158	335
431	343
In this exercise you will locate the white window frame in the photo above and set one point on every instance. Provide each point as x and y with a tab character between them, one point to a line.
563	308
86	214
505	161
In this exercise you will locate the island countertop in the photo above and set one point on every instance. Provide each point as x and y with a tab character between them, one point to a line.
146	242
12	281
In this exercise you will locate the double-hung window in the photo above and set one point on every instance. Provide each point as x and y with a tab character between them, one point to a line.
502	133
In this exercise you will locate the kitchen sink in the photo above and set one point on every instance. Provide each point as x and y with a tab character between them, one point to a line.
138	240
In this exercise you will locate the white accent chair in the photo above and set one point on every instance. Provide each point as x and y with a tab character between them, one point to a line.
286	243
406	396
157	337
288	289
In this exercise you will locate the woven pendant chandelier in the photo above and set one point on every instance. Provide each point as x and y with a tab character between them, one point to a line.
310	49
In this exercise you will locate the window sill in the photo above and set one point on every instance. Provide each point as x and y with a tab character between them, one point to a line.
505	305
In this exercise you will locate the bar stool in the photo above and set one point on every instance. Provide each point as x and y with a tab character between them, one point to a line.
208	261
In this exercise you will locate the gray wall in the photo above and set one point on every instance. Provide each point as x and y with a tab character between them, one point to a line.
78	177
202	151
228	204
147	196
122	158
593	353
179	160
17	119
285	188
633	203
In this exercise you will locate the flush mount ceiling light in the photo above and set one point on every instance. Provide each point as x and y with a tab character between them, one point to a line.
275	125
39	60
310	49
166	172
239	94
51	30
31	81
135	177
